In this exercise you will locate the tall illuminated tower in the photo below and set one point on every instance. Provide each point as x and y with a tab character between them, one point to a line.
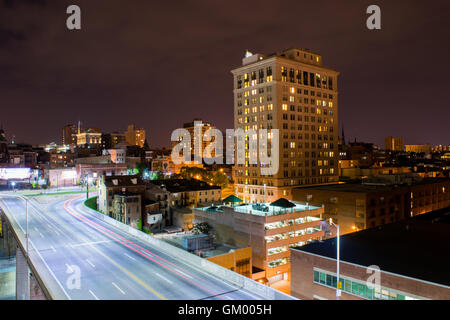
293	92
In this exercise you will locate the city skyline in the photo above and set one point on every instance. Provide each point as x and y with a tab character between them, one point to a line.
197	150
127	64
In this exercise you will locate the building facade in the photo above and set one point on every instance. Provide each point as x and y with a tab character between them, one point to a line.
89	139
270	233
356	206
197	140
419	148
127	208
110	186
294	93
393	144
69	135
135	137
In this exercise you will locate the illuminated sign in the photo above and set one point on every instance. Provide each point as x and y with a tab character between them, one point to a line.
15	173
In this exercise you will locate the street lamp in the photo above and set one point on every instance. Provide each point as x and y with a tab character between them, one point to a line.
338	283
26	218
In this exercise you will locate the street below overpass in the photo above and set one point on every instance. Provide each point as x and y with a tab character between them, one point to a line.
111	264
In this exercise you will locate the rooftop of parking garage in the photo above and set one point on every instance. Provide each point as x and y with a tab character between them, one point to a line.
261	209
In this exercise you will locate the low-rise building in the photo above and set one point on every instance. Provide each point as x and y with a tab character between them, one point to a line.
189	192
408	257
389	198
117	155
237	259
62	159
355	172
91	172
110	186
62	177
127	208
159	196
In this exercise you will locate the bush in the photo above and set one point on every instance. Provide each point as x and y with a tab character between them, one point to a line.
91	203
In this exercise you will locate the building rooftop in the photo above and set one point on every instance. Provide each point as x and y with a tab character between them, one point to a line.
261	209
417	247
184	185
372	186
292	54
122	181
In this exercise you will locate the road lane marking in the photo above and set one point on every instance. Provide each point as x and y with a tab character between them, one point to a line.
36	229
54	250
92	265
130	274
41	235
93	295
117	287
89	243
69	268
164	278
108	232
57	233
130	257
184	274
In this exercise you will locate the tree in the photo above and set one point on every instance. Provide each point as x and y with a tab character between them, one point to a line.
216	178
202	227
142	167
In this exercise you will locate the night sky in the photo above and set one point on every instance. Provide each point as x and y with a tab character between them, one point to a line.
159	64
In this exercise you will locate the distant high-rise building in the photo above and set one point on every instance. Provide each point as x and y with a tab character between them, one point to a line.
293	92
393	144
69	135
112	140
135	137
419	148
70	132
3	146
2	135
190	127
90	138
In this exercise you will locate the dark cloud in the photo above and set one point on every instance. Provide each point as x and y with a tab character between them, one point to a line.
159	64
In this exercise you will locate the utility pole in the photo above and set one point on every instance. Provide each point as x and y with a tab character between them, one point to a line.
26	218
87	186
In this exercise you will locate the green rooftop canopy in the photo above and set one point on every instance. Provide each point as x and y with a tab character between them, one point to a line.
283	203
231	199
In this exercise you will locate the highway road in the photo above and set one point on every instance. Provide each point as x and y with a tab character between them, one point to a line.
112	264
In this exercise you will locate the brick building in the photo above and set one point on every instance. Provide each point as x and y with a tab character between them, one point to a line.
412	256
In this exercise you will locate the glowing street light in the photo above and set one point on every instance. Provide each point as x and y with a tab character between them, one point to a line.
338	282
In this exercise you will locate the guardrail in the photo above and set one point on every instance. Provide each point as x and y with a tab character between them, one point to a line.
48	282
208	266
